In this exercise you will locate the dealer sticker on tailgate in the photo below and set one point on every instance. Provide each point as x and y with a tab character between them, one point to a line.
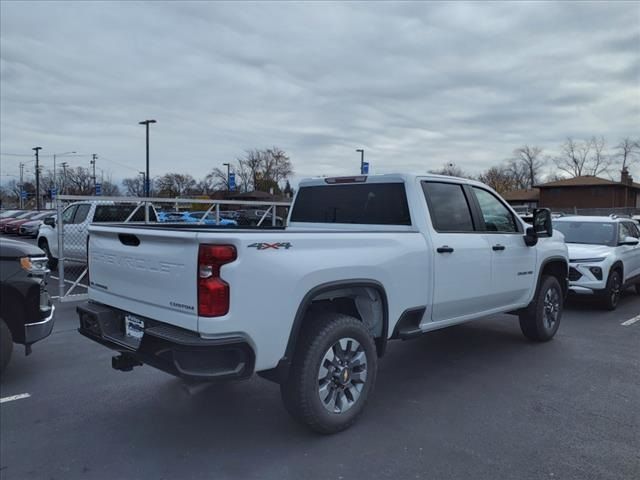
133	327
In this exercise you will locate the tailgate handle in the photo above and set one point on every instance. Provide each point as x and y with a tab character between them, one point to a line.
128	239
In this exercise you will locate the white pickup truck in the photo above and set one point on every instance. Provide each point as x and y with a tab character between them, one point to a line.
312	305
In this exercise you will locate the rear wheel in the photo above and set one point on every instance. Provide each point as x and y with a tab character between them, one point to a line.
332	374
611	295
6	345
541	319
53	262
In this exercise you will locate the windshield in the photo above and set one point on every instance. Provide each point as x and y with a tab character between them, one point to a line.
590	233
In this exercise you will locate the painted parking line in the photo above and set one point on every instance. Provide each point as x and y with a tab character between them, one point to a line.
14	397
631	321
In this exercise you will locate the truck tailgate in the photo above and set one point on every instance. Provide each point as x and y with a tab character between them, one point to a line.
151	273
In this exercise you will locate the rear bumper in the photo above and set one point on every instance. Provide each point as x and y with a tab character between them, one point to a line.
171	349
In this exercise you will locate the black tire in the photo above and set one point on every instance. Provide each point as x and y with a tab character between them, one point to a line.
540	320
53	262
611	296
301	392
6	345
638	288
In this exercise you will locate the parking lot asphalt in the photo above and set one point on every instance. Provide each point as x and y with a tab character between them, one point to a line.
473	401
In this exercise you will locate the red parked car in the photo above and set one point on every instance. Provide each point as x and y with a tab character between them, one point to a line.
23	215
13	227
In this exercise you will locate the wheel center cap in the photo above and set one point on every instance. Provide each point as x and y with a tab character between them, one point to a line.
344	376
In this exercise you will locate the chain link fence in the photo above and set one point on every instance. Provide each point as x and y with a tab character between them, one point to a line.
69	229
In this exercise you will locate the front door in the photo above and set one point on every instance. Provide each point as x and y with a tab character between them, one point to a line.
462	269
513	262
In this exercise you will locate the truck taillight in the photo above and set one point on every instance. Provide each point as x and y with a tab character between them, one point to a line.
213	292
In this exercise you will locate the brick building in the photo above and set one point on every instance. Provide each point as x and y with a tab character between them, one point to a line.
590	192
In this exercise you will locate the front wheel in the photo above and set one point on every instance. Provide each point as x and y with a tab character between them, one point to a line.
611	295
332	374
540	320
53	262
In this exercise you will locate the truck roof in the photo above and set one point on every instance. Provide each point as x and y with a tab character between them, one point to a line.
380	178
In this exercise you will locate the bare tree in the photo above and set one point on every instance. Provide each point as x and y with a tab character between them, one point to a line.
526	164
450	169
600	161
175	185
576	158
215	180
500	178
628	150
79	181
134	186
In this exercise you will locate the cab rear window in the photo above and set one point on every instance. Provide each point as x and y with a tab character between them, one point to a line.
360	204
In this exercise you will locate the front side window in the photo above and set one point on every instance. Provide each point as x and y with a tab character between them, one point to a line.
69	212
627	230
497	217
448	207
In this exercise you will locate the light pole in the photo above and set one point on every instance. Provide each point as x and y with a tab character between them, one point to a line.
55	183
228	173
37	149
361	150
146	176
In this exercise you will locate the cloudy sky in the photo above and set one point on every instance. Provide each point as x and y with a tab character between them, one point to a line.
416	85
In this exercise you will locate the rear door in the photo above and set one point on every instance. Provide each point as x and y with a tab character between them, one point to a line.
462	270
512	262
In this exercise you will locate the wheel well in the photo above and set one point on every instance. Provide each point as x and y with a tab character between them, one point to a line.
364	300
618	266
42	241
556	268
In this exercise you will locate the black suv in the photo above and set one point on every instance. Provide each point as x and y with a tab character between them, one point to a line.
26	313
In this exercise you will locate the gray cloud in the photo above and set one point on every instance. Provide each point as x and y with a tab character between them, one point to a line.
415	84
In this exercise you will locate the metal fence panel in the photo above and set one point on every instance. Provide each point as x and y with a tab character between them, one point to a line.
68	240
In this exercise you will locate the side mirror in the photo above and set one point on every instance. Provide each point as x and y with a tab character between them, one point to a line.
530	237
51	221
631	241
542	222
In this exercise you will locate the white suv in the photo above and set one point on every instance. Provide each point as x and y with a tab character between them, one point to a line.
604	255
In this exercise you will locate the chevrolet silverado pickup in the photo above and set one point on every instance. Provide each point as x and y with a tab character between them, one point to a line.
312	305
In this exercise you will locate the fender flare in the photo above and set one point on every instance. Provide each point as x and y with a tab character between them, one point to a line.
281	371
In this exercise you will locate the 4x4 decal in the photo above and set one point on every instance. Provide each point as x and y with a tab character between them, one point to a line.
266	246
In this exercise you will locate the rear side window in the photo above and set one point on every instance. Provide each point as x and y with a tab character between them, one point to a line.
119	213
361	204
448	207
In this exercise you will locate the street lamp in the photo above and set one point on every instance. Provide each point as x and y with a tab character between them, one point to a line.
37	150
361	150
146	177
228	174
55	183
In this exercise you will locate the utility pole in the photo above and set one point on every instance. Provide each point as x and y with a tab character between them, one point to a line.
361	150
146	176
37	150
64	176
93	163
21	184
